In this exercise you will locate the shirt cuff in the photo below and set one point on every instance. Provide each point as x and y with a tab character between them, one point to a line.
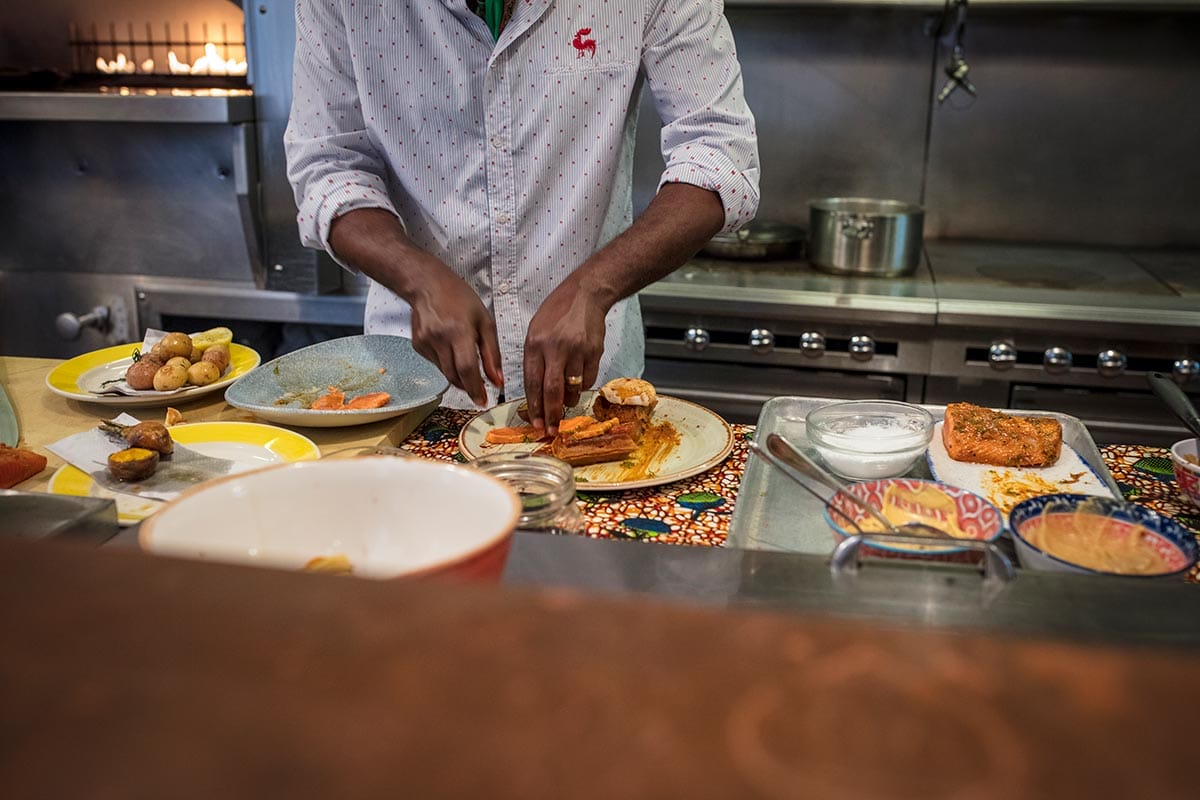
346	198
737	188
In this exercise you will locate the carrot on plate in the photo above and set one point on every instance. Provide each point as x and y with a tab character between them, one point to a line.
519	434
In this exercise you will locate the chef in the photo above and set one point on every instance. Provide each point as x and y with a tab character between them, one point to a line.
475	162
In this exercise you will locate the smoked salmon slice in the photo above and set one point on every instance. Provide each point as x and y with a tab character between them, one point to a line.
370	400
983	436
333	400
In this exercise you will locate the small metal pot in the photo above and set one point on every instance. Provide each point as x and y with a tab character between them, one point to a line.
864	236
758	241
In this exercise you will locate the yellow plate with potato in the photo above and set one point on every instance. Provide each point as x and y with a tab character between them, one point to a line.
249	445
84	377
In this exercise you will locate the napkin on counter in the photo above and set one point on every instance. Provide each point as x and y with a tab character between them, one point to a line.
183	469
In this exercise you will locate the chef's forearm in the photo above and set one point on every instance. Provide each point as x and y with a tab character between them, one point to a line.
676	224
373	241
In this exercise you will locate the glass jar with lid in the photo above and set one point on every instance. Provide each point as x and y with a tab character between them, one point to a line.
546	486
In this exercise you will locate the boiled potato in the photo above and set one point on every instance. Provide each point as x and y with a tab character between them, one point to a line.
197	352
217	354
170	377
180	360
140	374
161	352
179	344
202	373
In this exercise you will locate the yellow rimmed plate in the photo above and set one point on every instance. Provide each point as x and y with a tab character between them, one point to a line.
705	440
78	377
249	445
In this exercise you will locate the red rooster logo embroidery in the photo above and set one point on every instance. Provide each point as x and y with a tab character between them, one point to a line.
583	45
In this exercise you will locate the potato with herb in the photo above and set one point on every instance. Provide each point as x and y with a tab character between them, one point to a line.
140	374
217	354
170	377
202	373
178	344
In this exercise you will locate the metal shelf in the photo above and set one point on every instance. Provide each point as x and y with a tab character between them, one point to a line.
191	106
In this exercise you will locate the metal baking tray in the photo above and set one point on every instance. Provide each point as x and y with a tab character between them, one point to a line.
772	513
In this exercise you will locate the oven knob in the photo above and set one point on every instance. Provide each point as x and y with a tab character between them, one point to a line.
812	343
762	340
69	326
862	347
1111	363
1185	369
1002	355
696	338
1057	359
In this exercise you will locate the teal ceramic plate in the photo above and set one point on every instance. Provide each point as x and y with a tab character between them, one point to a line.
283	390
8	421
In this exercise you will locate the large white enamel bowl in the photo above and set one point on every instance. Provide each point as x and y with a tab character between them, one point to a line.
388	517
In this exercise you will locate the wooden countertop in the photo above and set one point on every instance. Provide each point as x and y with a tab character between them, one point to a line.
131	677
45	417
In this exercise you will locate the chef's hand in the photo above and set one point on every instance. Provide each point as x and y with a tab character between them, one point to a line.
452	328
565	339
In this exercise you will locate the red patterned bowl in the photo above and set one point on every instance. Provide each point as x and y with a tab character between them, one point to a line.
976	517
1187	474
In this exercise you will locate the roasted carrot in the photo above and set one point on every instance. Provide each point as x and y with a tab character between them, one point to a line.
573	423
519	434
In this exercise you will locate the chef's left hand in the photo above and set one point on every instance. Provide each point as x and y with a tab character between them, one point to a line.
565	338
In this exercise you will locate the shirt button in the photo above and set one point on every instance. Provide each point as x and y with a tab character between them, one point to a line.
503	288
503	219
497	142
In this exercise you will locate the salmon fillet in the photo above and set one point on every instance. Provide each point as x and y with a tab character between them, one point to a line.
983	436
17	465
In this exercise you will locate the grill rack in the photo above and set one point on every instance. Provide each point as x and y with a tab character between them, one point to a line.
88	44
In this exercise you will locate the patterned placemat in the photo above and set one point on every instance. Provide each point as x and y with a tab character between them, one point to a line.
697	510
1146	477
694	510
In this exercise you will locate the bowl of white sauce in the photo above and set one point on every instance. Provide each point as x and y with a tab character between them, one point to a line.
867	439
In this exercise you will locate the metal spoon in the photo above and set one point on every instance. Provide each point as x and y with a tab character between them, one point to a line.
789	454
1169	392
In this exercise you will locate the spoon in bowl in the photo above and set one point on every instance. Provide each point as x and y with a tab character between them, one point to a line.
789	454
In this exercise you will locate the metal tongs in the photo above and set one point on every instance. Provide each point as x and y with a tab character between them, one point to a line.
782	454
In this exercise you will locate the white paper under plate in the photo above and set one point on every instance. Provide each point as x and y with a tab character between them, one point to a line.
1070	474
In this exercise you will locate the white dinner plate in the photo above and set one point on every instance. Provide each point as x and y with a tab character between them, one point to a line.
705	439
79	377
248	444
1070	474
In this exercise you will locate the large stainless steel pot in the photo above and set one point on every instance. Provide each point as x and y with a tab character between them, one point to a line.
864	236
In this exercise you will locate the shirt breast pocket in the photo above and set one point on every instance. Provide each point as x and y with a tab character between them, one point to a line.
590	66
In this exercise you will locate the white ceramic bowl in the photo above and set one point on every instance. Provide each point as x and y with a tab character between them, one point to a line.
1187	474
869	439
389	517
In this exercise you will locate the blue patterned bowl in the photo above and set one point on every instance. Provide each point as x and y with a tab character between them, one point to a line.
1167	537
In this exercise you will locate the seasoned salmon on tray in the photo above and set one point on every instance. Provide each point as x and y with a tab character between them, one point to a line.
983	436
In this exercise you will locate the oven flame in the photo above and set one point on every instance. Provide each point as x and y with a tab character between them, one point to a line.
211	63
120	66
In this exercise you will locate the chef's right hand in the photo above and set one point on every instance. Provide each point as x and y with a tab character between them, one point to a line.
453	329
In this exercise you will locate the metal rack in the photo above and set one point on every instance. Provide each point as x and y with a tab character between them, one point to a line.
146	58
